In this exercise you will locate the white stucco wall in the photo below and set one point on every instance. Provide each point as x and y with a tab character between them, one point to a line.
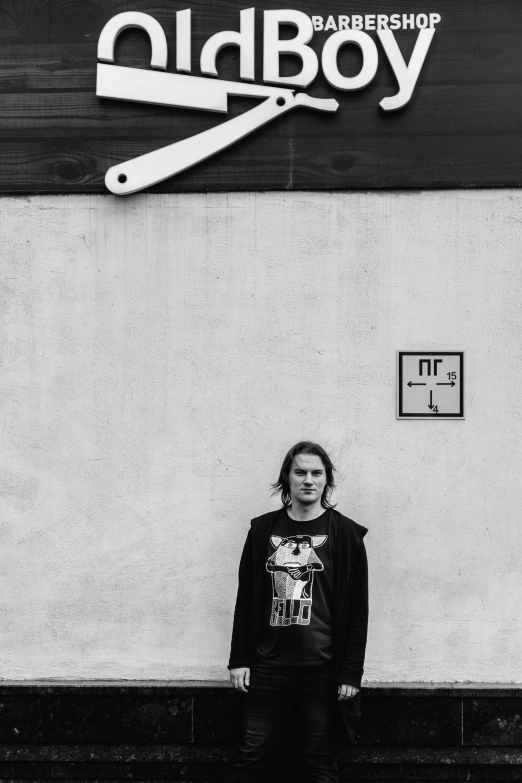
159	355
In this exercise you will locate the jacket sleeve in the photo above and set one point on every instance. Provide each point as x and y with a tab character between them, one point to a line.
352	665
239	655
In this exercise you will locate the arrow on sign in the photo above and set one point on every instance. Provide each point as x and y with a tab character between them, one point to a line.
431	405
446	384
410	384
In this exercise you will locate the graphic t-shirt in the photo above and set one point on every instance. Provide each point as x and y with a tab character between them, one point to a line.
298	592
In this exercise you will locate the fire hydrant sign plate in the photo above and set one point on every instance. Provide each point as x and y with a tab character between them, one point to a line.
430	384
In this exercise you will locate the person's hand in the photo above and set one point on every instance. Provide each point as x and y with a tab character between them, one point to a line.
346	692
297	573
240	679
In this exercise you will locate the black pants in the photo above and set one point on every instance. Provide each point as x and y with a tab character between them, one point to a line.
287	714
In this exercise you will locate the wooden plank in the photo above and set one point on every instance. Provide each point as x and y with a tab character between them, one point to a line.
496	109
72	66
60	21
75	165
460	58
461	128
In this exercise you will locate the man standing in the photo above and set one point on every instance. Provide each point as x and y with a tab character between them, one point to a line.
300	622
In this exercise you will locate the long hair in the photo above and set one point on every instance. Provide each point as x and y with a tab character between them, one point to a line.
282	484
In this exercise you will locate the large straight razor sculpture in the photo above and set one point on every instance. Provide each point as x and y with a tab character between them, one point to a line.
182	91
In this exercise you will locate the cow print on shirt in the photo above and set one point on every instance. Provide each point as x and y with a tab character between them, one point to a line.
292	567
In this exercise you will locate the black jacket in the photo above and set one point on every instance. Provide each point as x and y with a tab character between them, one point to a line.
350	611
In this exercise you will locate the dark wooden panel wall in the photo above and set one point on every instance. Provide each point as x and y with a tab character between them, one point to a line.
461	129
169	731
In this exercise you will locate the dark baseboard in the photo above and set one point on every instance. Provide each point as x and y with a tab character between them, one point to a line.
160	731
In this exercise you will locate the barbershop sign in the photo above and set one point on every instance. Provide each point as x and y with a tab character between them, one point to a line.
226	97
210	94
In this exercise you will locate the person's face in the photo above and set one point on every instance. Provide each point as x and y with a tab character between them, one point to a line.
307	478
